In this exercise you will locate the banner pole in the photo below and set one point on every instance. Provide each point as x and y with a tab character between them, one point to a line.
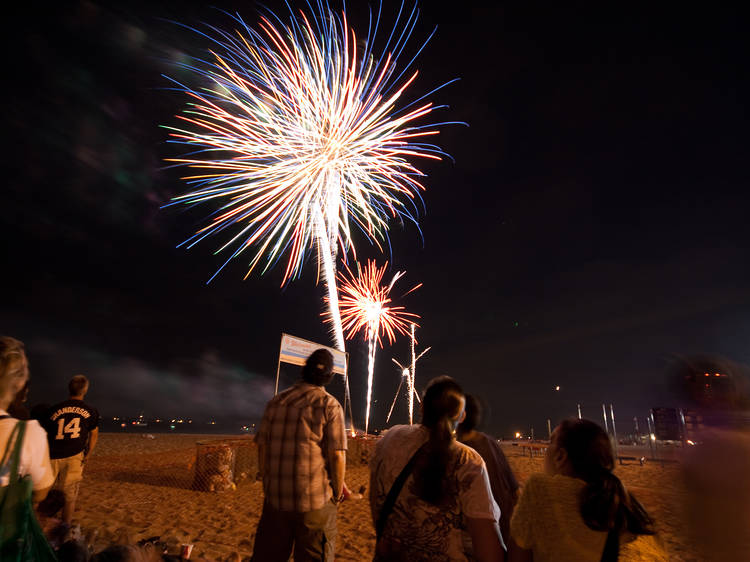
351	415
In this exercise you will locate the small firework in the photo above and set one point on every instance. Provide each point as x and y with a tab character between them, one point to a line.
365	306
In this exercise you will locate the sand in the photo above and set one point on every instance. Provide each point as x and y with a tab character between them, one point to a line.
136	487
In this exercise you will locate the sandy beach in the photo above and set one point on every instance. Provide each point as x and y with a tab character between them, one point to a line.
136	487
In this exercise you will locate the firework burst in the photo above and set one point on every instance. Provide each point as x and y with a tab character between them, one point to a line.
295	139
365	306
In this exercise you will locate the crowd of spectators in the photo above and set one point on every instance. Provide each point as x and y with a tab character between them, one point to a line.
440	490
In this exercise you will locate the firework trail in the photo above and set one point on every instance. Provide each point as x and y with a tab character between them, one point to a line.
410	375
295	139
366	307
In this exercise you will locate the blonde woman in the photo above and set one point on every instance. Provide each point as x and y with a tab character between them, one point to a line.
34	458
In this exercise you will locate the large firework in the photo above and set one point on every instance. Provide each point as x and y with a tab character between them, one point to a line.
295	138
366	307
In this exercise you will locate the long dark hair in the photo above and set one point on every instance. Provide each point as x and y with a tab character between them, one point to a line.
605	504
441	406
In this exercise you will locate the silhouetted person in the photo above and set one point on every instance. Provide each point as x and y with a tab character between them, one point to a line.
716	470
502	481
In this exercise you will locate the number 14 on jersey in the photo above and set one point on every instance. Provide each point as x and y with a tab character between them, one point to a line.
73	428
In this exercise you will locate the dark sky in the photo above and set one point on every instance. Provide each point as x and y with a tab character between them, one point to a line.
592	226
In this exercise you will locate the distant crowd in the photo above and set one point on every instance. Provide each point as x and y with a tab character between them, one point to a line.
439	491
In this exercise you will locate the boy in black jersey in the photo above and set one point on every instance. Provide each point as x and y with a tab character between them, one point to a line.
72	430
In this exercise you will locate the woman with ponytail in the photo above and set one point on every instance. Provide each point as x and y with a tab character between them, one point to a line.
429	494
579	510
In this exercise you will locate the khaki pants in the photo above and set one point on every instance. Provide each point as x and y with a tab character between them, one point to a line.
68	474
312	535
67	471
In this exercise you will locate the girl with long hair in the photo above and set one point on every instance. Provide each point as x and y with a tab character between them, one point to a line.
579	510
429	494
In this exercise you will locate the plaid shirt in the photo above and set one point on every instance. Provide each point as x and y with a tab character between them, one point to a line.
301	427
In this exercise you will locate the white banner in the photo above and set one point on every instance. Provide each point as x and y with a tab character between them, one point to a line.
296	351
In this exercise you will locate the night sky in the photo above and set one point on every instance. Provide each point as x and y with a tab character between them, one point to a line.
592	227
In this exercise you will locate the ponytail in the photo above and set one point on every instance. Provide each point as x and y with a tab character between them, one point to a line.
607	505
441	407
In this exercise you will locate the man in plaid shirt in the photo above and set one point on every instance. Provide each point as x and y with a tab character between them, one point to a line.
301	458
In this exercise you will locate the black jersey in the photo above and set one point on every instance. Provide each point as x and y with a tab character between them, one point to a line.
68	426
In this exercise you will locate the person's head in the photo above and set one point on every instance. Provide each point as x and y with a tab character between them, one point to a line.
318	368
443	404
442	410
472	415
582	449
73	551
78	386
579	448
14	369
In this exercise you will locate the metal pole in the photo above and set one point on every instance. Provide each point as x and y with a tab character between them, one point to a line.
614	430
604	413
411	378
579	411
351	414
346	397
684	427
650	438
278	368
549	428
387	419
532	433
656	443
347	393
636	432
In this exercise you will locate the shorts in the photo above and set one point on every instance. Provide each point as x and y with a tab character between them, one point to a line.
67	471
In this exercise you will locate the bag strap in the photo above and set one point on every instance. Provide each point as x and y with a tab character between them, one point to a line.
8	443
611	546
15	460
390	499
